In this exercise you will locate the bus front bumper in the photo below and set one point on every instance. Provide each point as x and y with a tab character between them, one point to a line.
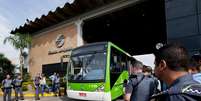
86	95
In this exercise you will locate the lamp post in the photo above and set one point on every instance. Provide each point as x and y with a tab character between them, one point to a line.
1	70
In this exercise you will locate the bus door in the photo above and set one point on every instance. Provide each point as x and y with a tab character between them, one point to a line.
118	72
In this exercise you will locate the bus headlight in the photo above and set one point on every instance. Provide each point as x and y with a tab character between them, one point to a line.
100	89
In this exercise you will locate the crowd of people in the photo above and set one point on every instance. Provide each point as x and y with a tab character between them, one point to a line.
41	85
176	77
141	83
39	82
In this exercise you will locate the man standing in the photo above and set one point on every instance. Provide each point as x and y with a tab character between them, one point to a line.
18	88
57	85
7	88
140	87
53	79
37	85
43	84
171	67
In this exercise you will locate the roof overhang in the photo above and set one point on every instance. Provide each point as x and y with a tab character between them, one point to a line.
80	9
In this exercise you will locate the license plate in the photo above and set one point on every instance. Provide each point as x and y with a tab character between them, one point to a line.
82	94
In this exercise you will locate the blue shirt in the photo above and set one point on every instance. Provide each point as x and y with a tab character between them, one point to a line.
53	77
37	80
17	82
147	86
57	79
7	83
182	89
197	77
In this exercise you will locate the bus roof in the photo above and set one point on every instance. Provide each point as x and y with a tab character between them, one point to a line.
102	43
90	44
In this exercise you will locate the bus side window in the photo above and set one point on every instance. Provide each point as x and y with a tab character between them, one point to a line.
118	61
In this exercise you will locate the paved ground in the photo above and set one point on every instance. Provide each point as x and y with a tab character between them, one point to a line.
48	99
29	96
43	99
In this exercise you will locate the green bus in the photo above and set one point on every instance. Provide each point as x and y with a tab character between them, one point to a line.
97	71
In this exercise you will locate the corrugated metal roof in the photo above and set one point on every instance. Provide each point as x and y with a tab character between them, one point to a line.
60	14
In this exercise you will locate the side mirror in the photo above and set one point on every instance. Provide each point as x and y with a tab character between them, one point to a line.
125	82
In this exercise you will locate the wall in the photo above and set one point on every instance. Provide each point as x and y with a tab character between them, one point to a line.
45	41
183	22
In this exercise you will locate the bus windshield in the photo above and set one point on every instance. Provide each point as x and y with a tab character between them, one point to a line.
88	67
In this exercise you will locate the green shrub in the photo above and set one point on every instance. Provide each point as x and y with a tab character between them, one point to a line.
25	85
24	88
48	82
26	77
62	82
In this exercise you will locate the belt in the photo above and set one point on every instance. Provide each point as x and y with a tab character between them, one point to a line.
7	87
18	86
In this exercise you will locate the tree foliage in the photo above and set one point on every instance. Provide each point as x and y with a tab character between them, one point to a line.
6	67
20	42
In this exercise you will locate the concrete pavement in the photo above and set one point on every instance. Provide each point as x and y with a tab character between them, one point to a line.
63	98
29	94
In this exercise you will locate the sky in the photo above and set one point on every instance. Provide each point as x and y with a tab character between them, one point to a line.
14	13
146	59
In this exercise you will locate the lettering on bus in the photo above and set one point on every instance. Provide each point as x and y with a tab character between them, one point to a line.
82	94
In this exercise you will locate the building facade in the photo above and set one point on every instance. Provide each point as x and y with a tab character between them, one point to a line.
183	19
83	21
49	46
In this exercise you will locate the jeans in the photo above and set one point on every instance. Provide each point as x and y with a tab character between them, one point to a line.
43	87
56	87
7	93
18	90
37	92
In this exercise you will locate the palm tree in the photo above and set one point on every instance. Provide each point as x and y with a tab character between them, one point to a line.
20	42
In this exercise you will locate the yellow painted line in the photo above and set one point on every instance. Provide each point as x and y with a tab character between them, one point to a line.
30	94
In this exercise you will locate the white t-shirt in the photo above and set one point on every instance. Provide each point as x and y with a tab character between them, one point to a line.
43	81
